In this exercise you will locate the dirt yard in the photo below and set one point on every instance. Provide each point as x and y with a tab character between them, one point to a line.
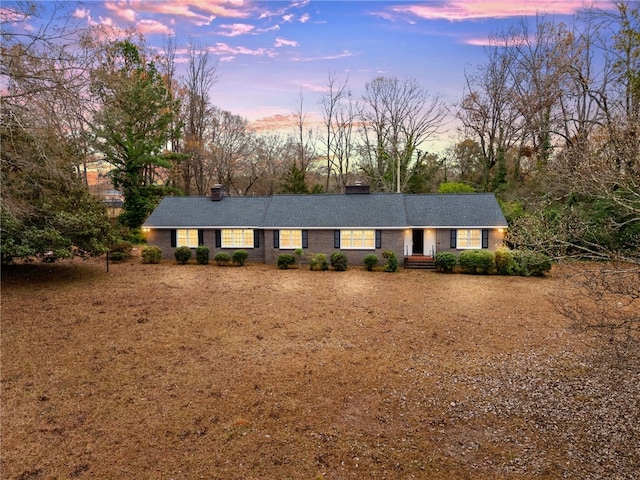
183	372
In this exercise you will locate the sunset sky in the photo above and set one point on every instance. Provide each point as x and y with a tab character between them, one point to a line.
272	51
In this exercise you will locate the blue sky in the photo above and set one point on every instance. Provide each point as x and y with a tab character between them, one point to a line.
271	51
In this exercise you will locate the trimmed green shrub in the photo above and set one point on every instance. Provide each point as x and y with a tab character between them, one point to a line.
339	261
285	260
183	255
118	256
532	263
505	263
202	255
299	253
222	258
121	251
151	255
370	261
445	262
318	261
239	257
477	262
392	261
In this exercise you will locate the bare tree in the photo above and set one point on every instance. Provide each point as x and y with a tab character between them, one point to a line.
339	113
603	300
397	116
201	76
229	144
305	140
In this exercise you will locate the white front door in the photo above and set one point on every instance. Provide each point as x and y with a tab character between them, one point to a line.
429	241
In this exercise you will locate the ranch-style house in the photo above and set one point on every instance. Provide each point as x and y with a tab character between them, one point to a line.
415	227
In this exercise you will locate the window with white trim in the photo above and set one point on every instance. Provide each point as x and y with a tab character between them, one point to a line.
358	239
237	238
469	238
290	239
187	237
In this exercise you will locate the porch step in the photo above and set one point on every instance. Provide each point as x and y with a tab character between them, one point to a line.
419	262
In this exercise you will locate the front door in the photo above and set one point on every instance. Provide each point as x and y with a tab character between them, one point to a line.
418	242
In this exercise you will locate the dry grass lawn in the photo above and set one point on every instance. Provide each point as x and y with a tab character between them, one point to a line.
182	372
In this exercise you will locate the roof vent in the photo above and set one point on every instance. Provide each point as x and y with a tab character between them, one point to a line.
217	192
357	189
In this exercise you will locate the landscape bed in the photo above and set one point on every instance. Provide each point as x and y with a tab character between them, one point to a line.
171	371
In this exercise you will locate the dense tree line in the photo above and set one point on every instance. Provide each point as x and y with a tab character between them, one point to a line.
549	121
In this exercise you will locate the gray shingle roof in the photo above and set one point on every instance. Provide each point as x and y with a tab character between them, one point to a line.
376	210
454	210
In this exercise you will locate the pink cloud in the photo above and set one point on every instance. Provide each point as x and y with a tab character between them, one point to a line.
228	52
200	12
276	122
121	11
470	9
235	29
281	42
147	27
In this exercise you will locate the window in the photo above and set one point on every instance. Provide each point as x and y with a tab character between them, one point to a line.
469	238
290	239
237	238
358	239
187	237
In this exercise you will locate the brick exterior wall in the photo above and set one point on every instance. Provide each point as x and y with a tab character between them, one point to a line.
321	241
443	240
162	238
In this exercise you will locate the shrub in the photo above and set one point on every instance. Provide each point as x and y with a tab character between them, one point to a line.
182	254
477	261
136	235
202	255
339	261
318	262
370	261
118	256
531	263
151	255
222	258
285	260
239	257
123	249
505	263
299	253
445	262
392	261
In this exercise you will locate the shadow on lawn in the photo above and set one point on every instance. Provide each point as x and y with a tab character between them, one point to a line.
62	271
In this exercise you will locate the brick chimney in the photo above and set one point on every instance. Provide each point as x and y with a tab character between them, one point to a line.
217	192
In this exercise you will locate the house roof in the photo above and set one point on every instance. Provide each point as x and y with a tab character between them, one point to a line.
376	210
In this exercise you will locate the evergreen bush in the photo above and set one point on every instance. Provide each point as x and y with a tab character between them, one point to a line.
151	255
318	261
121	251
285	260
370	261
239	257
222	258
392	261
339	261
531	263
477	262
505	263
182	254
445	262
202	255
